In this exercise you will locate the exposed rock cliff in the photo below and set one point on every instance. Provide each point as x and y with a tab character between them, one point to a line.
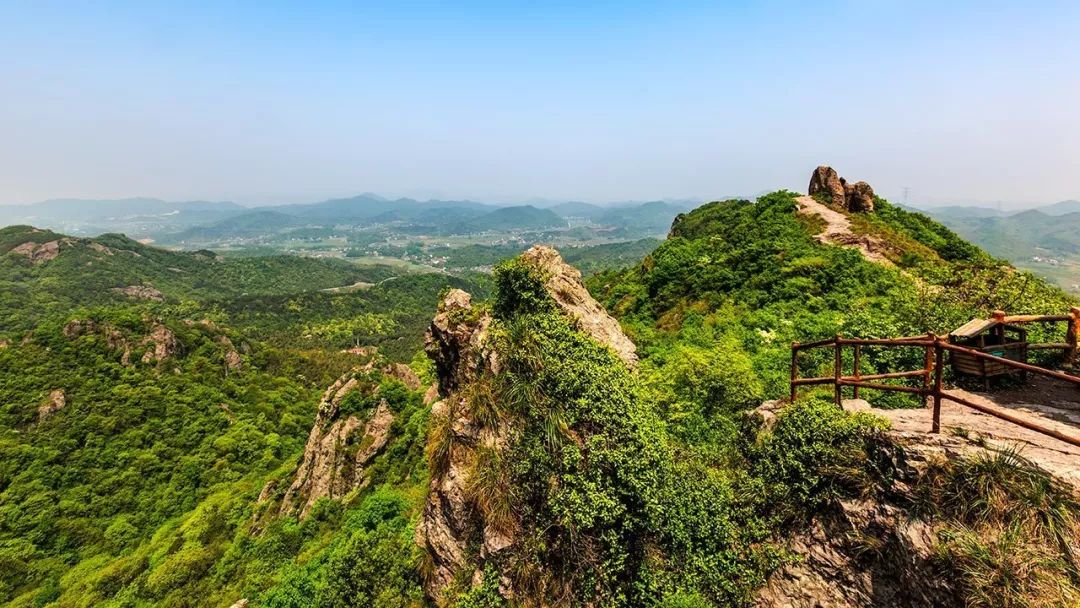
455	534
340	445
891	548
161	344
565	286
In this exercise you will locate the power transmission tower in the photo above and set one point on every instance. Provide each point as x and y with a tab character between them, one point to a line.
907	191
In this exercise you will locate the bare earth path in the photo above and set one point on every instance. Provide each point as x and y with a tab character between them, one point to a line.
1050	403
838	230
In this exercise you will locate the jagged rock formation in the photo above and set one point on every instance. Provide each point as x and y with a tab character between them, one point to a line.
233	361
56	402
159	344
340	448
825	180
458	341
565	286
162	344
862	554
140	292
857	197
39	253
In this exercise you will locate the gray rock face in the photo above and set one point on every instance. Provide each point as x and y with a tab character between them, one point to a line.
332	466
453	531
862	554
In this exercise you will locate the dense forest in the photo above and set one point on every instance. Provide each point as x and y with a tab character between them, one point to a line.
153	442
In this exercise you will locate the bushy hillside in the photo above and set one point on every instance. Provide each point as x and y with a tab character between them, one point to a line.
739	281
127	418
152	452
44	273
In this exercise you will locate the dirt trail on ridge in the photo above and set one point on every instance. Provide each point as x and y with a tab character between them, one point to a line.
838	231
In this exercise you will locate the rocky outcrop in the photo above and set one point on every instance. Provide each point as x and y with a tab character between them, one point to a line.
340	448
565	287
861	554
162	344
825	181
115	340
79	327
872	552
452	531
857	197
457	343
233	362
55	402
141	292
38	253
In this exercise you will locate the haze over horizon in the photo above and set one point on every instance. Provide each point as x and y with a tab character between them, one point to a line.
510	102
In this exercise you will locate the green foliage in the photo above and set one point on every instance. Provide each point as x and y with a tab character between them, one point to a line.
519	289
817	453
1009	530
86	272
369	563
924	230
605	511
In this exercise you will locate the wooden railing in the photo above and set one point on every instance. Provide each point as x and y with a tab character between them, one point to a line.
932	375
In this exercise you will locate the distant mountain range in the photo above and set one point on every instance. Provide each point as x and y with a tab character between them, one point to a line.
202	220
977	211
1045	240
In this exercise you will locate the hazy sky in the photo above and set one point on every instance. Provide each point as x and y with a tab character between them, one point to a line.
502	100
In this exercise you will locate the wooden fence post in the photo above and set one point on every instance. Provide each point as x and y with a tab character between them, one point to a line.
858	352
1071	336
939	358
838	368
928	365
794	369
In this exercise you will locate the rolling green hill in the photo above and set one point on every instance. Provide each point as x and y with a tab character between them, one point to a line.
43	273
513	218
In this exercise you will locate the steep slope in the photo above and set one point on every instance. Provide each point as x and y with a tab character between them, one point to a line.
552	480
139	423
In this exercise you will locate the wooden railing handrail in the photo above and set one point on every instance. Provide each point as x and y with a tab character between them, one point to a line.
932	374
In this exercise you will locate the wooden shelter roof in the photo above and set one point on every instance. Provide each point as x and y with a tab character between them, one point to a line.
975	327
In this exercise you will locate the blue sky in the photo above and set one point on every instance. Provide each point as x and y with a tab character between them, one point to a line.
278	102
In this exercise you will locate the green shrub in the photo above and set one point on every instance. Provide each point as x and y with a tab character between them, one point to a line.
816	453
